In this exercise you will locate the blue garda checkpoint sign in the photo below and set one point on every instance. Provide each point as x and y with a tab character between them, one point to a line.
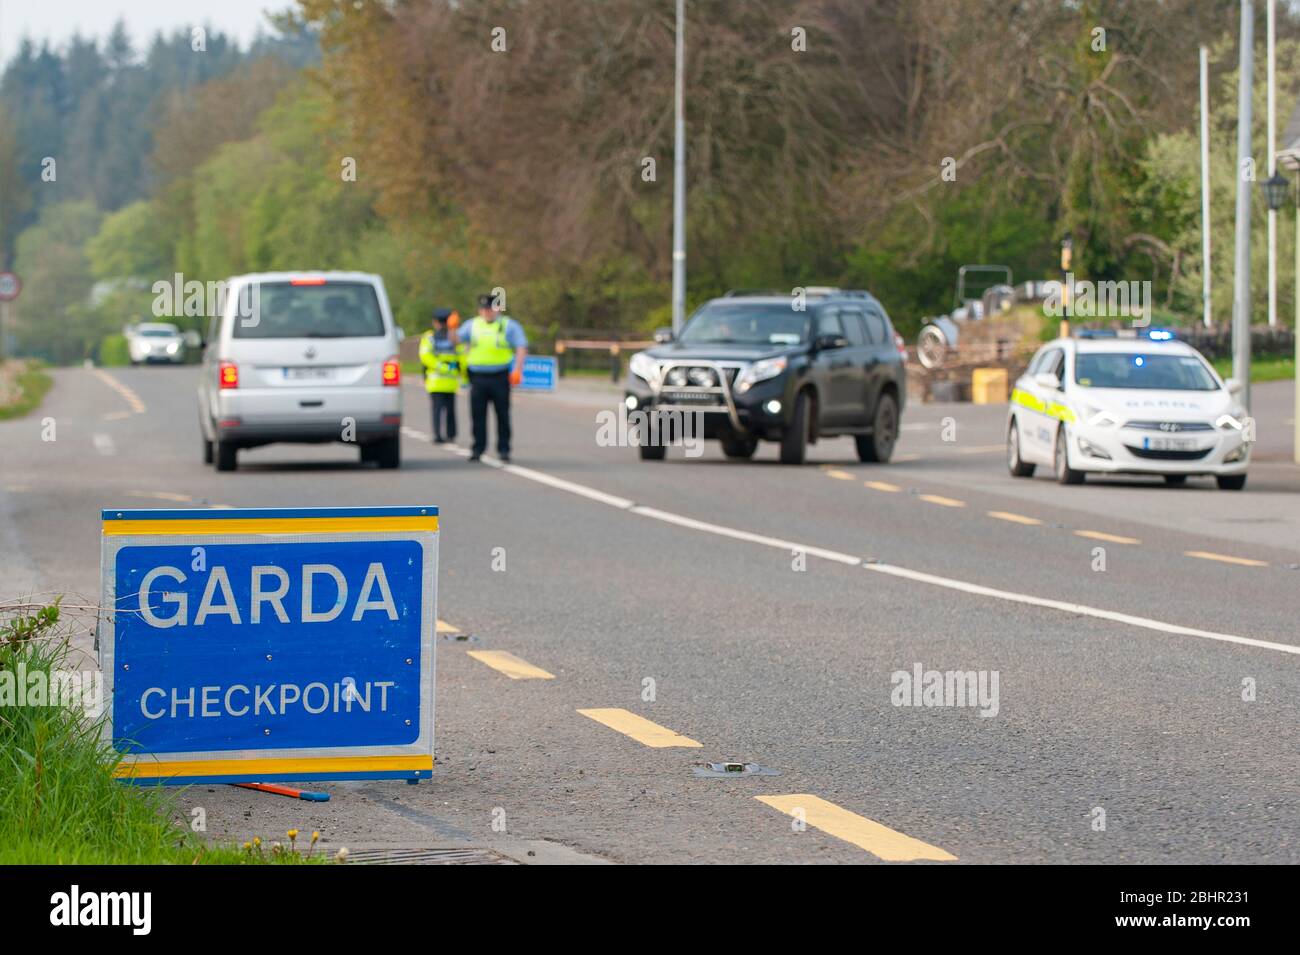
540	373
270	644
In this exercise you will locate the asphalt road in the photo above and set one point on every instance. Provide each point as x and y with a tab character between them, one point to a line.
1122	618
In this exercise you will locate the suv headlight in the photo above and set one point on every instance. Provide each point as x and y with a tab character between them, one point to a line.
643	366
760	371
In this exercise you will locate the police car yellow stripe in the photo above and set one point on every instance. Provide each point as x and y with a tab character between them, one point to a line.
252	768
1052	409
254	525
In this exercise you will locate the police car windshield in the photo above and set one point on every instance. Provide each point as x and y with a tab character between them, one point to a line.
330	310
774	324
1146	371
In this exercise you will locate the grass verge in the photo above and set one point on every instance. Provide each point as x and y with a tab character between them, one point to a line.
23	385
1261	369
59	800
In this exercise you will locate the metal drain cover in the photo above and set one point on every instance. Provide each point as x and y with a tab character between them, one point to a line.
458	638
467	855
733	769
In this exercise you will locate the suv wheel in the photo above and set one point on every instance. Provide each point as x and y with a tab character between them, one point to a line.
794	443
739	447
652	452
1064	473
226	451
879	445
1016	464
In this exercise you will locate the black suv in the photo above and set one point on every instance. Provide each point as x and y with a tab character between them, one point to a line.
759	366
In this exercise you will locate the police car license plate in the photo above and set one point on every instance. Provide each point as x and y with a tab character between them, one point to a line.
1169	444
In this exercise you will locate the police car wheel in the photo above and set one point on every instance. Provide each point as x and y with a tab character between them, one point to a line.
1064	473
1230	482
226	452
1015	464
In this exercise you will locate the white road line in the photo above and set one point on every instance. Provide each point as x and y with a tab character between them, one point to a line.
1083	609
412	433
613	500
950	583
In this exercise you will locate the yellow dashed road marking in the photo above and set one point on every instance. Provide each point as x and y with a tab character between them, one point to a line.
888	844
129	396
907	457
941	500
1014	518
445	627
839	475
163	496
639	728
981	449
882	486
511	665
1110	538
1226	558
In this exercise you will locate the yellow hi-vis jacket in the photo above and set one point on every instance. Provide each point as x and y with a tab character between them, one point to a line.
444	363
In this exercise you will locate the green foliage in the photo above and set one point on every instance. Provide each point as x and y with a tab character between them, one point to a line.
60	801
113	352
54	318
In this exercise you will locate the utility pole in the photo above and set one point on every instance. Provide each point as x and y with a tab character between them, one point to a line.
1205	187
1272	169
679	177
1241	267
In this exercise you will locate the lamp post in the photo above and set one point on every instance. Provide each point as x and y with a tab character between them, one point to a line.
679	175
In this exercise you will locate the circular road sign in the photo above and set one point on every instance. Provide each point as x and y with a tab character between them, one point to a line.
9	286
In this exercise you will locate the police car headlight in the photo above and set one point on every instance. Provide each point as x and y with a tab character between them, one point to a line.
1236	454
760	371
1097	417
1090	449
643	366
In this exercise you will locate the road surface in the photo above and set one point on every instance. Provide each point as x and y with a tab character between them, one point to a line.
1125	622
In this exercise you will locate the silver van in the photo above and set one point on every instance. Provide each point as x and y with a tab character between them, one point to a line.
302	357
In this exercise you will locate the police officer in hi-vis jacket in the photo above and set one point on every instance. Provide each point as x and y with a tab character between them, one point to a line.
444	370
497	347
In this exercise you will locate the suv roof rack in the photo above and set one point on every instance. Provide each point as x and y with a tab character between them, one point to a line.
824	290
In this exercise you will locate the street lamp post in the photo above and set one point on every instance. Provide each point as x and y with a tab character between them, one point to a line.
679	176
1241	265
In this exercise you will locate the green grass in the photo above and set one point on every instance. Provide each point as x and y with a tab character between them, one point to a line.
32	383
59	800
1261	369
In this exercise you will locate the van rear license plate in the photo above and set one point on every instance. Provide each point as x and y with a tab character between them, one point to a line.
308	373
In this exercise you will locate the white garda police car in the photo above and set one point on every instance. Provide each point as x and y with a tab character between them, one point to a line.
1145	405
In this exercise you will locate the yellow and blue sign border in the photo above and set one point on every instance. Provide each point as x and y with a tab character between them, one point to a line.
122	527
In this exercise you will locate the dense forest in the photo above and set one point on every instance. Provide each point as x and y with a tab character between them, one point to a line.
453	146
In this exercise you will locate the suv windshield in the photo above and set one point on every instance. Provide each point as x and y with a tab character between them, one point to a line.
1154	372
739	324
328	310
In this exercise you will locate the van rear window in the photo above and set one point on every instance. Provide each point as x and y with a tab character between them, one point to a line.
331	310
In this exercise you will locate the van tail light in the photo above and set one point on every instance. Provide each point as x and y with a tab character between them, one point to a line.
392	372
900	345
228	375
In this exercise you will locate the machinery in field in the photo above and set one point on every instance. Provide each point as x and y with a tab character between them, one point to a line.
984	323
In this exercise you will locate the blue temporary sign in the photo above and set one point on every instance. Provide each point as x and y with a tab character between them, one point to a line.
270	644
540	372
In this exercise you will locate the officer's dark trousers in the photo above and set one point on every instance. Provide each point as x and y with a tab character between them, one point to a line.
492	388
444	415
